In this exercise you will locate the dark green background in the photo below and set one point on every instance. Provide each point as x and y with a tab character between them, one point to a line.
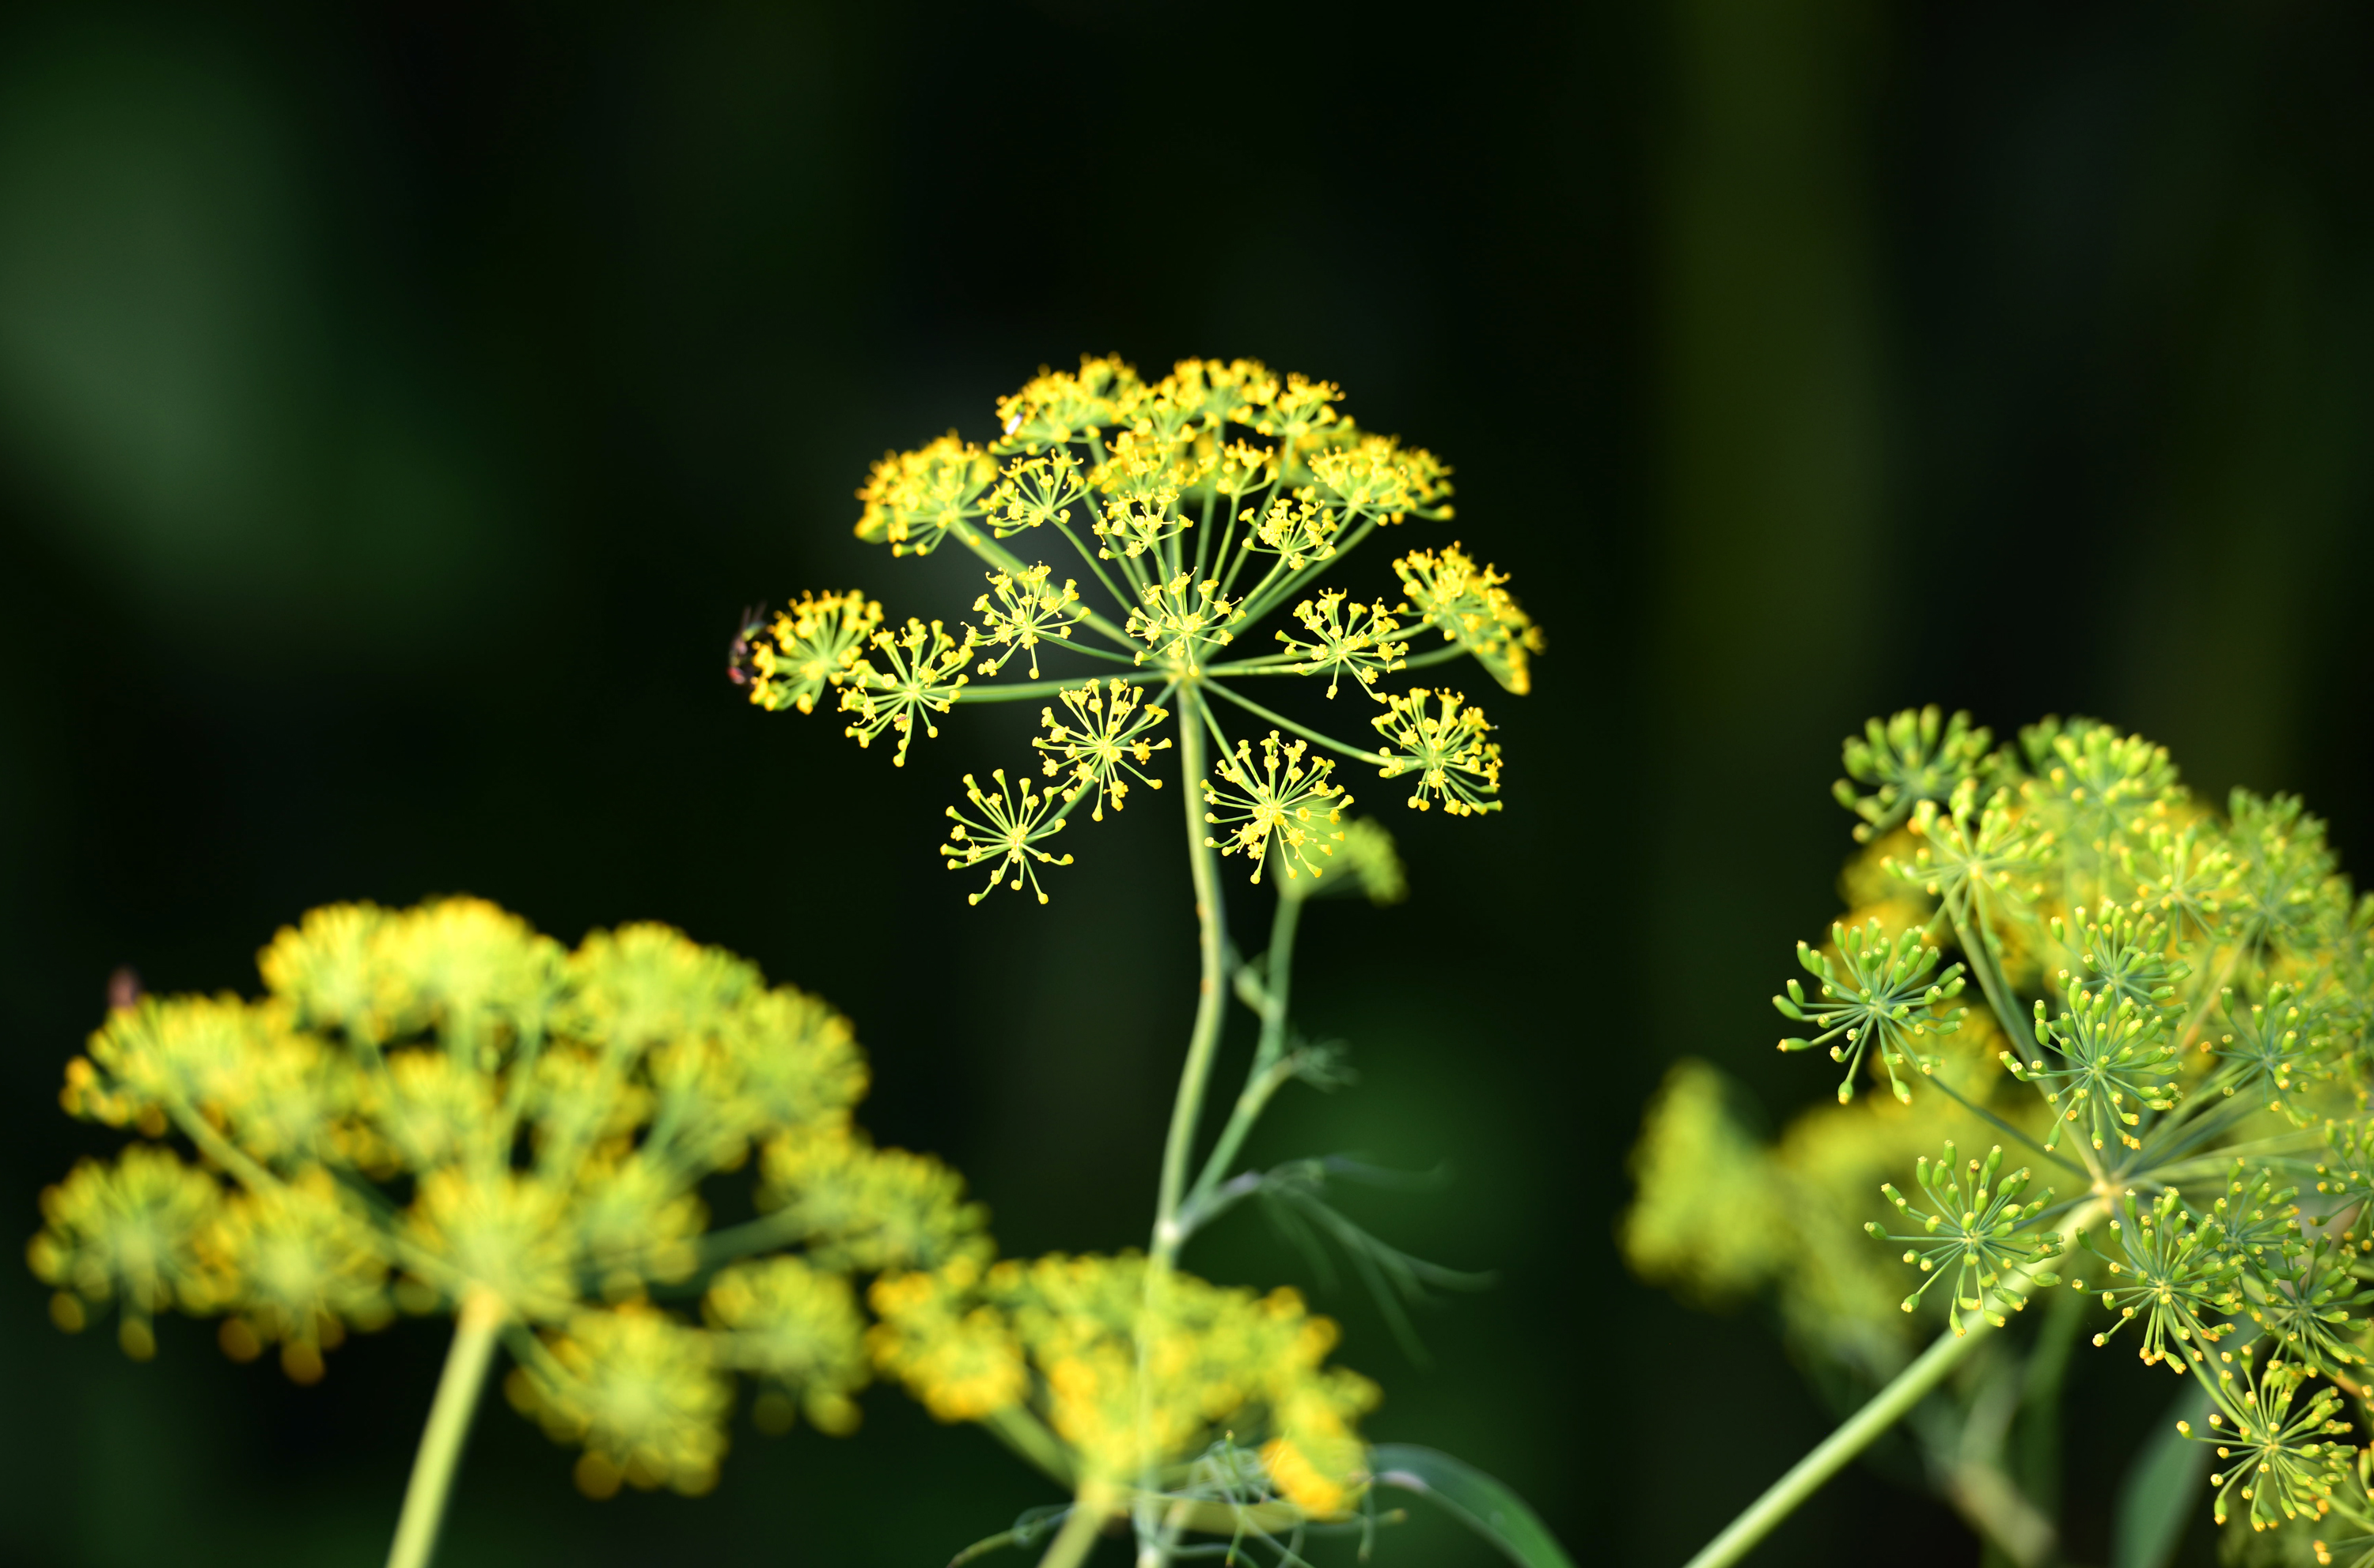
397	404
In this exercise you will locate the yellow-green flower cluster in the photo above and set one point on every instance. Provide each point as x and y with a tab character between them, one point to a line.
1724	1217
1192	507
2189	992
1075	1359
438	1107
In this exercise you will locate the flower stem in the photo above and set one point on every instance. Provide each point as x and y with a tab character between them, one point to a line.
1808	1475
1077	1536
1187	1109
1260	1079
1211	998
1305	731
474	1331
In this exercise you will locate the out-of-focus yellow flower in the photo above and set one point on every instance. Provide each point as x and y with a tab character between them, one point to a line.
130	1232
640	1391
439	1108
914	500
798	1327
1126	1378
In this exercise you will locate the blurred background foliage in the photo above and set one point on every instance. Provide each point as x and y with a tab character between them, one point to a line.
397	404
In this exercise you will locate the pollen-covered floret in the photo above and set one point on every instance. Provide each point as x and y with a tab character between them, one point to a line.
1022	608
1978	1230
865	1209
1005	835
1471	605
1037	492
1362	641
1441	742
1103	745
797	1328
925	676
1877	993
130	1233
300	1265
1285	802
2280	1462
914	500
812	648
1180	620
640	1391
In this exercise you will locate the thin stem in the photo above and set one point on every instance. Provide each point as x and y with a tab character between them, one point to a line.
1063	527
1968	917
2180	1140
2048	1367
1006	560
1443	655
475	1329
1022	690
1187	1109
2007	1128
1210	996
260	1180
1858	1431
1261	1081
785	1224
1275	591
1027	1436
1308	734
1292	663
1077	1536
1211	497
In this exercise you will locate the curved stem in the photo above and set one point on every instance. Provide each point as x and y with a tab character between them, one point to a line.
1022	691
1211	997
1857	1432
1187	1108
475	1328
1261	1081
1006	560
1306	732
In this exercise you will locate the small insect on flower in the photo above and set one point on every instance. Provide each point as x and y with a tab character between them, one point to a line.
739	665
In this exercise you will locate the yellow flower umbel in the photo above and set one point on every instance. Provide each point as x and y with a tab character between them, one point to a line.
1186	512
439	1108
1194	508
1063	1358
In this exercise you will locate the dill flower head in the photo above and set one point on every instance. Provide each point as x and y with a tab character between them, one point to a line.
1136	534
438	1107
2190	991
1129	1382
